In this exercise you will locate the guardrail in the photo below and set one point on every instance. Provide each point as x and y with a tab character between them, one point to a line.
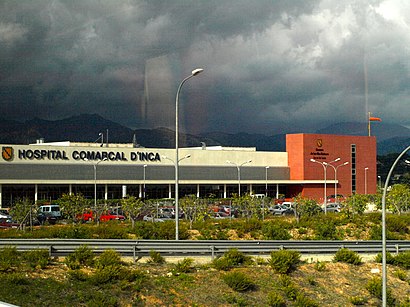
141	248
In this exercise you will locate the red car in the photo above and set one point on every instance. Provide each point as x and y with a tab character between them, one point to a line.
7	223
105	216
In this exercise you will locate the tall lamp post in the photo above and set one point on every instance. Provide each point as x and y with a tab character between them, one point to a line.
335	169
365	180
193	73
325	165
266	181
384	267
95	180
176	207
238	167
143	192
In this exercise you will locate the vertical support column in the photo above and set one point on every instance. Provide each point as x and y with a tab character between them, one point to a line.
197	190
105	191
70	189
35	193
225	190
250	188
277	190
169	191
140	191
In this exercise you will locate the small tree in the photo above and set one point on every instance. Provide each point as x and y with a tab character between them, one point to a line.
355	204
248	206
22	210
195	209
398	198
73	205
305	206
133	207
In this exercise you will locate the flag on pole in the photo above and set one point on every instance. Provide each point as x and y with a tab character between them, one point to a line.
372	119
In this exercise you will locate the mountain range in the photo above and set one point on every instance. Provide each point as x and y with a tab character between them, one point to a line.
391	138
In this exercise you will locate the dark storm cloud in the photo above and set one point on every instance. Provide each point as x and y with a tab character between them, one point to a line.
269	65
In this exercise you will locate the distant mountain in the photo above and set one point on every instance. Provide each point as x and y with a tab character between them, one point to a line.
87	127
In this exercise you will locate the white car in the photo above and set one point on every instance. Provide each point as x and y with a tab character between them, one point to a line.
4	214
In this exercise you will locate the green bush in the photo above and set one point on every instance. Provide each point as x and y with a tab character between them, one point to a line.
326	231
375	288
348	256
237	257
9	258
397	223
272	231
358	300
110	230
389	258
222	264
106	275
320	266
155	257
160	231
77	275
284	261
109	258
304	301
82	256
184	266
38	258
238	281
276	300
403	260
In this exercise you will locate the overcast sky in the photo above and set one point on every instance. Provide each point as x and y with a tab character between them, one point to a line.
270	66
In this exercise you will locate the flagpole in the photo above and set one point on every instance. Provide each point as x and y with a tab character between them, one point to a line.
368	123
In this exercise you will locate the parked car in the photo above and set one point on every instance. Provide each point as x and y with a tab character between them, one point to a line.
220	215
335	198
109	215
44	218
4	214
160	218
332	207
50	210
8	223
280	210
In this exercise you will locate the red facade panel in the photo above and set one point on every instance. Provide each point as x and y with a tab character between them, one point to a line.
358	176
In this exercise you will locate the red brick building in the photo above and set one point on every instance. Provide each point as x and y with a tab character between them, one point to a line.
355	165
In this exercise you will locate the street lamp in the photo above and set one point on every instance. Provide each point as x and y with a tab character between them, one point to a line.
238	167
95	180
384	267
365	180
176	207
143	193
266	181
325	165
335	169
193	73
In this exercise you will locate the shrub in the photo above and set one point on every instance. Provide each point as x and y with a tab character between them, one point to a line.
273	231
358	300
400	274
320	266
238	281
375	288
304	301
155	257
276	300
326	231
222	264
82	256
403	260
284	261
106	275
9	258
38	258
348	256
109	258
389	258
77	275
184	266
237	257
